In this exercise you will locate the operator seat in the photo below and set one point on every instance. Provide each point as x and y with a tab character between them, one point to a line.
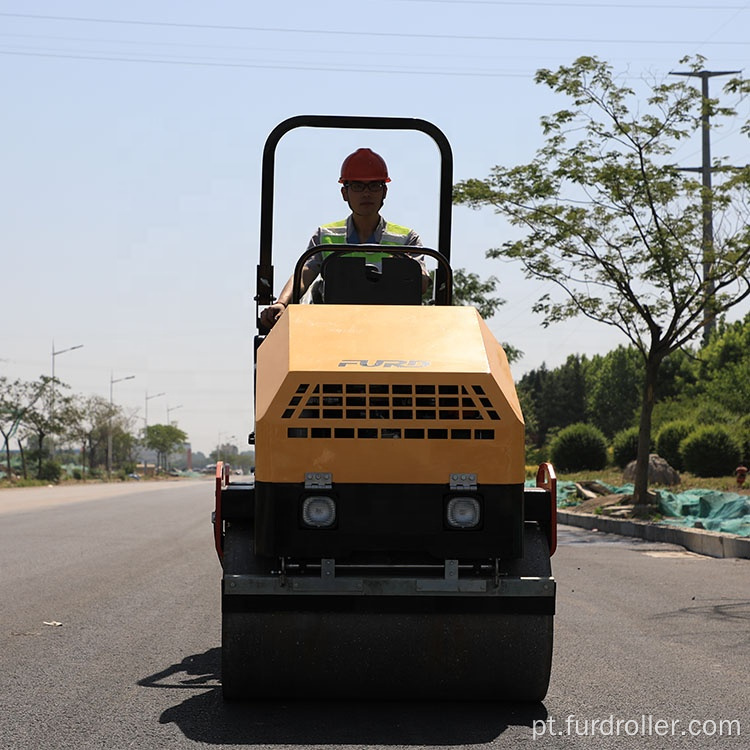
350	280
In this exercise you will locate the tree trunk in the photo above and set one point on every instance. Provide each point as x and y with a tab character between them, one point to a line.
39	459
641	498
7	454
23	459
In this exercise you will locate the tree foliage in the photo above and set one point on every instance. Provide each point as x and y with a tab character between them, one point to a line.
16	399
164	439
470	289
724	366
613	389
612	223
558	397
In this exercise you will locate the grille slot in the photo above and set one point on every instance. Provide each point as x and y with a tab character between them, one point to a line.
324	408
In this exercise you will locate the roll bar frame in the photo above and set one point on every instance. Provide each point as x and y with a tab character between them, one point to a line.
264	278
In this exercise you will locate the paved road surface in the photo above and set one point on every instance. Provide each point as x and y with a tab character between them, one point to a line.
649	638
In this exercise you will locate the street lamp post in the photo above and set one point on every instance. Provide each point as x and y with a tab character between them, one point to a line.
112	381
145	423
52	400
171	409
148	398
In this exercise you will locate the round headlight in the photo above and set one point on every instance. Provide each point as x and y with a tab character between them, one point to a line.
463	512
319	511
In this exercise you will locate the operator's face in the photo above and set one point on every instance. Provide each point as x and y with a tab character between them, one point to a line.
366	202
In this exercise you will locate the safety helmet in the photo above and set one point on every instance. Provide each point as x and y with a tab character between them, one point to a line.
364	165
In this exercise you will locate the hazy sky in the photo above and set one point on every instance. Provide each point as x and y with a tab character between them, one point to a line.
130	148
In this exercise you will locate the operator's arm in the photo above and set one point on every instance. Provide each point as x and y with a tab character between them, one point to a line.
414	239
271	314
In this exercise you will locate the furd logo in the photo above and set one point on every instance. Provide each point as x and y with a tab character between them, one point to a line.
384	363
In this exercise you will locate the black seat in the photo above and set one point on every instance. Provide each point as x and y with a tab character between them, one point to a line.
350	280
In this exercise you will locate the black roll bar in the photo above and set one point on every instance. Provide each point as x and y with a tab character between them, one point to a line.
264	285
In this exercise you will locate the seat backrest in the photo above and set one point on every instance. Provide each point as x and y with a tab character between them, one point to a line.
349	280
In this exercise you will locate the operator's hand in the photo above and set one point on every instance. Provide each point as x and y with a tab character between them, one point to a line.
271	314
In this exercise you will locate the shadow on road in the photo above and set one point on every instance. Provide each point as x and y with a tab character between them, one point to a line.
204	717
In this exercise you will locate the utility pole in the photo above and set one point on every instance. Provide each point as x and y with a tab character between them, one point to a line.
709	321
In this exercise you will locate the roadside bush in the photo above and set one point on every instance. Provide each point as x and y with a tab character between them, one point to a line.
51	471
625	447
579	447
711	451
668	441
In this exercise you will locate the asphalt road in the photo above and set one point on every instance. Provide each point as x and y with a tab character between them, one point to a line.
652	643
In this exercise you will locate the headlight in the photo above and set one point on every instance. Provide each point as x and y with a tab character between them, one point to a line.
319	511
463	512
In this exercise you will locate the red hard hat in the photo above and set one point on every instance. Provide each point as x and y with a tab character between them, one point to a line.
364	165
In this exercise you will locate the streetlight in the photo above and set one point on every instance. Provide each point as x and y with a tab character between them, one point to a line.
112	381
148	398
169	409
172	408
145	424
52	401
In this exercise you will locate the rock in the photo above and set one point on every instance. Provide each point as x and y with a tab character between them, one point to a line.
590	488
659	472
596	504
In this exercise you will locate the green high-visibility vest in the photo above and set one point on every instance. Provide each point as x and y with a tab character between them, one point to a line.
335	234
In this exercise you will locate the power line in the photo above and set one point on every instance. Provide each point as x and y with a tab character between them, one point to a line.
224	47
597	6
378	34
266	66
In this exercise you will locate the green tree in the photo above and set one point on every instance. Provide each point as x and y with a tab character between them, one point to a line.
529	389
613	388
724	369
164	439
561	396
16	399
469	289
226	452
93	430
557	398
612	223
42	421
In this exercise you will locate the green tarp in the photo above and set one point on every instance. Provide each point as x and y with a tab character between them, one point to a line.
727	512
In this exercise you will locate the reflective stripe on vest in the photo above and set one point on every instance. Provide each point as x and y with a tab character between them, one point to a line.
335	234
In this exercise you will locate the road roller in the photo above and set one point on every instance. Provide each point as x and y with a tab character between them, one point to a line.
389	546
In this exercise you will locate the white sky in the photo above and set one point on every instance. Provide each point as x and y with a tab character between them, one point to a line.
131	137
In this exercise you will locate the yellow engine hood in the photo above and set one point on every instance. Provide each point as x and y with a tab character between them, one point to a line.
386	394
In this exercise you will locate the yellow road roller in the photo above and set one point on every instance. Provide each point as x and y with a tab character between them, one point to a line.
388	546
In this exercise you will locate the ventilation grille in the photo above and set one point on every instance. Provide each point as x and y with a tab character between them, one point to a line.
401	411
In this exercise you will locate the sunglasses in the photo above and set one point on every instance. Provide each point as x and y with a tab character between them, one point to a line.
360	187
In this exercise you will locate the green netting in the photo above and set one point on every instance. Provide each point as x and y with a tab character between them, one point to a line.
727	512
717	511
